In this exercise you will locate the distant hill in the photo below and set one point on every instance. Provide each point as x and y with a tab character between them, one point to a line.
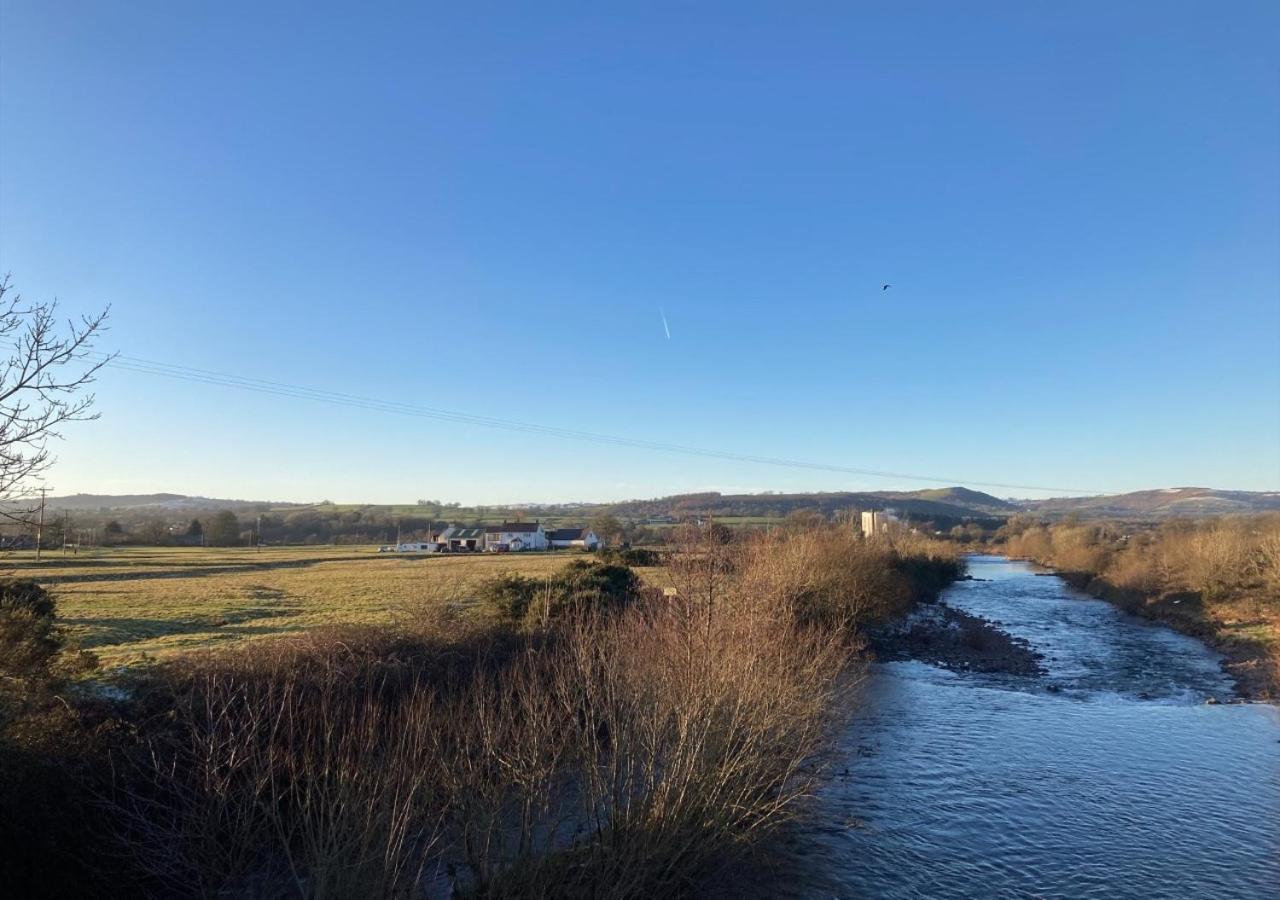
158	502
949	503
952	503
962	497
1158	504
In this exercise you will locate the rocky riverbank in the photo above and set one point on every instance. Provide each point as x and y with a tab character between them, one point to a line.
943	636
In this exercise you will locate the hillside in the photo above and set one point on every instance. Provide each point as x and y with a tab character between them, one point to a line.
951	503
1158	504
158	502
963	497
954	502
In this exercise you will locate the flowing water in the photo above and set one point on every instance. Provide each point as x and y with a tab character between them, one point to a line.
1109	776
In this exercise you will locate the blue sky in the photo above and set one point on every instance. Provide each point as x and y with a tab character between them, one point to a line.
482	207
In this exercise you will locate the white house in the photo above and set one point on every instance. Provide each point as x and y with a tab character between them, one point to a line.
515	536
583	538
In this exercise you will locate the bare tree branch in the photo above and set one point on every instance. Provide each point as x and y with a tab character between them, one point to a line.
43	381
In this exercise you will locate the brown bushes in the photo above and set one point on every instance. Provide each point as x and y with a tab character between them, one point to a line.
1230	564
620	751
833	575
1216	557
306	763
713	733
616	754
641	749
826	575
1071	547
1268	552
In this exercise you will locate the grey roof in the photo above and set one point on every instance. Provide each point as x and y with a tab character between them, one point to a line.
567	534
513	527
462	534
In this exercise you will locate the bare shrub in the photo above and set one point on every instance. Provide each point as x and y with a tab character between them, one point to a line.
290	764
1032	543
646	742
1135	570
1268	552
1079	548
621	751
693	742
825	574
505	763
1216	558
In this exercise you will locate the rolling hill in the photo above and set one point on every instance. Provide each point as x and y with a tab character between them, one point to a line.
941	503
1158	504
952	503
158	502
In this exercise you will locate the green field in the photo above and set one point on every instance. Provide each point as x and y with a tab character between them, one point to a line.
130	604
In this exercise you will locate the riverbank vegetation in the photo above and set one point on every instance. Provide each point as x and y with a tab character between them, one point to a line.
1218	579
582	733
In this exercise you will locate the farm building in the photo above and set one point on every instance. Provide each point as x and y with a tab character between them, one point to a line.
515	536
583	538
458	539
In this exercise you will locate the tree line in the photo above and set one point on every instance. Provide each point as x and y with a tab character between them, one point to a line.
227	528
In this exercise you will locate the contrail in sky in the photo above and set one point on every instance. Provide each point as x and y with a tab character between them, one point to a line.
665	327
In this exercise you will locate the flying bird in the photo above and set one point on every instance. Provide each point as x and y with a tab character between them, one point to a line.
885	287
665	327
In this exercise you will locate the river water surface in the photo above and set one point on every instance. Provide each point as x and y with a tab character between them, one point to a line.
1109	776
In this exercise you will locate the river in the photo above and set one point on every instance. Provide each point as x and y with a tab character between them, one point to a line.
1108	776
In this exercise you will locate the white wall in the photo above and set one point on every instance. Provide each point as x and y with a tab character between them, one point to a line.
529	540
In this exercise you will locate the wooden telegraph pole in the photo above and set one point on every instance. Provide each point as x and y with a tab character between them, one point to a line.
40	526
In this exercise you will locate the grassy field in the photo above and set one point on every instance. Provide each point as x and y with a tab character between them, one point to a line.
130	604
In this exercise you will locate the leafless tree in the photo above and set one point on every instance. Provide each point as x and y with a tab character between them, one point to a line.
43	382
154	531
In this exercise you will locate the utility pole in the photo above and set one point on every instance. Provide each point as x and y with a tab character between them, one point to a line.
66	522
259	532
40	526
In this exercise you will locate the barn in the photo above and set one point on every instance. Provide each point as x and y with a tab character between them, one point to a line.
458	539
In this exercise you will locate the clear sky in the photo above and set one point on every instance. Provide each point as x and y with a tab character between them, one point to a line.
483	208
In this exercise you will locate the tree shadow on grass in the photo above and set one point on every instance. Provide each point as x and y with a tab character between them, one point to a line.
169	570
109	631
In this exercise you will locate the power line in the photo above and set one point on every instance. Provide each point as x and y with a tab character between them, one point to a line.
299	392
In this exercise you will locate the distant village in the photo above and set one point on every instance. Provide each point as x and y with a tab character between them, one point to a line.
517	537
509	537
258	526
